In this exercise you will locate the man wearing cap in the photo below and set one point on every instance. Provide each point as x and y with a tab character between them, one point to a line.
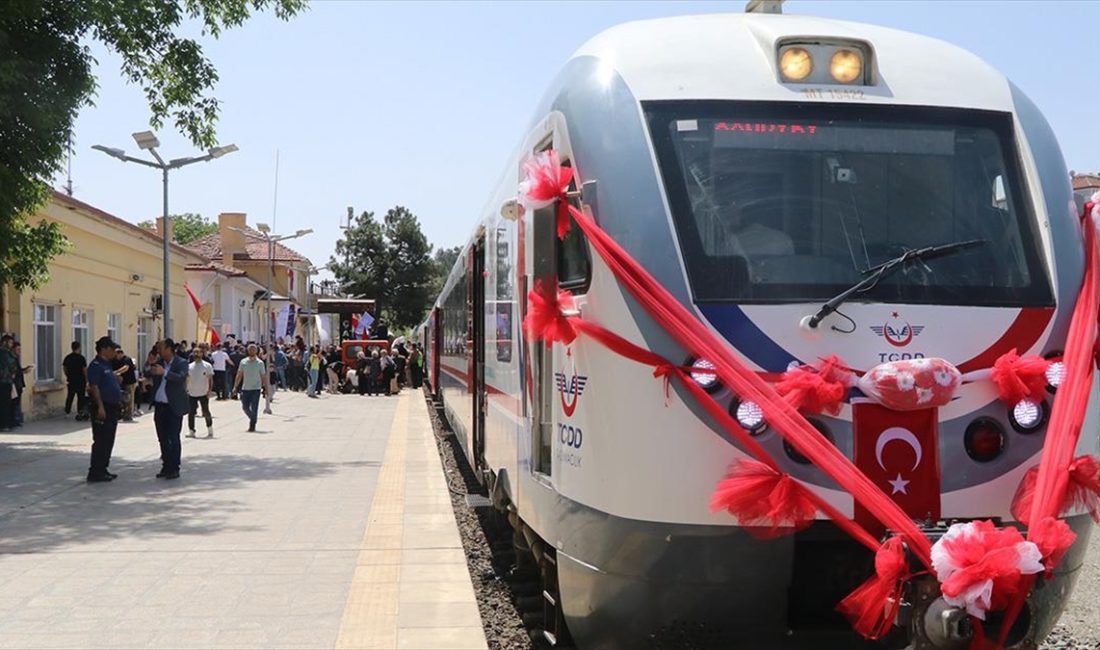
171	403
106	391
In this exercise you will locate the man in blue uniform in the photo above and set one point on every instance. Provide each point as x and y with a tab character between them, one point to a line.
171	403
106	392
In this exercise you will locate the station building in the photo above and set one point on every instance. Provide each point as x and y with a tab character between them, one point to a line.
109	283
237	266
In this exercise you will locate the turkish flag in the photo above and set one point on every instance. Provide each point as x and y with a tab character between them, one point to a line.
899	452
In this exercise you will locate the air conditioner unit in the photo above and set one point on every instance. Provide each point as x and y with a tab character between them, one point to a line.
157	302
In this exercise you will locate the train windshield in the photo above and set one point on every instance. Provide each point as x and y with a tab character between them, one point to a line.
779	203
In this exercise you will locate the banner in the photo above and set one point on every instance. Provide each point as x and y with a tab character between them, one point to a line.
324	336
291	319
365	321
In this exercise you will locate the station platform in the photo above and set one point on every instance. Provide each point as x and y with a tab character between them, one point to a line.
330	527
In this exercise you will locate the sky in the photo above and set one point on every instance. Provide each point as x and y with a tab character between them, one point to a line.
375	104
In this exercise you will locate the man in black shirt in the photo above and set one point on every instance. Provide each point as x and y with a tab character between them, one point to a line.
124	367
76	369
236	355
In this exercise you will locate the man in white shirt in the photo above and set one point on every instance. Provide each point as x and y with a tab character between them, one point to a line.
220	359
200	384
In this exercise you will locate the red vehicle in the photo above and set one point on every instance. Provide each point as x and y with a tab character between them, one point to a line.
349	350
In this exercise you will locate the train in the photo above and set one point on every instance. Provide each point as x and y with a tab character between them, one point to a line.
758	166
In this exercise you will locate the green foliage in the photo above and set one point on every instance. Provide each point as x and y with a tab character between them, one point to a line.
389	261
186	227
46	77
443	262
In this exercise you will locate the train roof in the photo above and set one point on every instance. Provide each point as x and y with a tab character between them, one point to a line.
733	56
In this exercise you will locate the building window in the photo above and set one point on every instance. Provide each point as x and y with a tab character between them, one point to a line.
82	332
143	342
47	343
114	326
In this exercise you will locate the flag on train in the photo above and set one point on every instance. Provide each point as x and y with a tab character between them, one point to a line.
364	324
898	451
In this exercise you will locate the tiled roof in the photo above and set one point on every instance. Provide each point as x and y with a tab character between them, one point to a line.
210	247
76	204
217	268
1082	181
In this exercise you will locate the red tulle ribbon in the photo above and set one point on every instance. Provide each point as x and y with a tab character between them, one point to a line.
1053	537
768	502
820	389
545	320
1082	492
546	181
873	606
982	567
1018	378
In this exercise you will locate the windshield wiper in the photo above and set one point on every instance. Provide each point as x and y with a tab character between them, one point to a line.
876	273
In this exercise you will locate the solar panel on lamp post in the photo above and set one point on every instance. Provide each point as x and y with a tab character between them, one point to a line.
147	141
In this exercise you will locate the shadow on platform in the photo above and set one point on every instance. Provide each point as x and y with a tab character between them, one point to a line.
41	509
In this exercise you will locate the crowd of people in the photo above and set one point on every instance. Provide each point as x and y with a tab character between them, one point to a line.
179	379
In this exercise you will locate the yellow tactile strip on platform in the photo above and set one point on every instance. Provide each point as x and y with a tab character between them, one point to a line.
411	588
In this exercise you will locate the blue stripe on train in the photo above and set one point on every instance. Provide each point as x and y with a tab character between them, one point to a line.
732	322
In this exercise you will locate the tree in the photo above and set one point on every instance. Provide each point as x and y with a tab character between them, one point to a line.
186	227
443	262
46	77
411	268
365	269
388	261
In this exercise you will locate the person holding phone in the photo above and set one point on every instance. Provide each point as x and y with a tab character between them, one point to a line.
105	388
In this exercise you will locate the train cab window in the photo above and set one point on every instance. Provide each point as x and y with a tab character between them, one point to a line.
788	202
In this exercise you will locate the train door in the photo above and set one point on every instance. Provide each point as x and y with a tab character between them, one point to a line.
478	344
435	335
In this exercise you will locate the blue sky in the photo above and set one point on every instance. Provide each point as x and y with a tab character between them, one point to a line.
419	104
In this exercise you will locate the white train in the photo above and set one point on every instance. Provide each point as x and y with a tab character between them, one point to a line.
755	165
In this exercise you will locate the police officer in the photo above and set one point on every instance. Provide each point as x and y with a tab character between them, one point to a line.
105	388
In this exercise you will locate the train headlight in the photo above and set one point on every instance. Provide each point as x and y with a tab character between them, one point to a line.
846	65
796	64
750	416
1056	374
1028	415
702	371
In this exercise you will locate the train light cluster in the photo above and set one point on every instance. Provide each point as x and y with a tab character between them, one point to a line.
824	62
984	439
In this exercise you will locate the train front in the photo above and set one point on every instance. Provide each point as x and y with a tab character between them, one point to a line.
808	188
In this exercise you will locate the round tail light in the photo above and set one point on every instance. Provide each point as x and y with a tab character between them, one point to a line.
1056	371
984	439
702	371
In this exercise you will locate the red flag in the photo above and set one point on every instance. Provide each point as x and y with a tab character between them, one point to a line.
214	338
899	452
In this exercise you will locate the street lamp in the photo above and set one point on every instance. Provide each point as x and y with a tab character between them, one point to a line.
265	231
147	141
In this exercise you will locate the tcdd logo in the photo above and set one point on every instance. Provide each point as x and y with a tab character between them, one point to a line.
897	332
570	436
570	390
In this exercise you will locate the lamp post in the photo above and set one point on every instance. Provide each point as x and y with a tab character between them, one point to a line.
147	141
271	240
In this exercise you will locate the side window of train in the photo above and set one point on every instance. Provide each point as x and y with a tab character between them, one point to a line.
574	265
